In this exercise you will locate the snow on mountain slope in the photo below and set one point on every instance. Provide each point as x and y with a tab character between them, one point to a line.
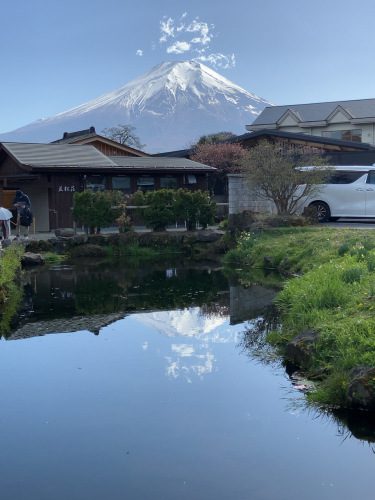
171	106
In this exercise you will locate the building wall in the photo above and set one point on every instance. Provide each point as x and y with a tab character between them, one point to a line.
108	150
38	195
368	130
241	197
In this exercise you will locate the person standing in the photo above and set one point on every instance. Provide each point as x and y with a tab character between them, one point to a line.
24	216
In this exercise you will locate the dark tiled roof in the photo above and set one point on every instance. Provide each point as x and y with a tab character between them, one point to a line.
160	163
75	138
301	137
181	153
57	155
78	133
82	136
319	111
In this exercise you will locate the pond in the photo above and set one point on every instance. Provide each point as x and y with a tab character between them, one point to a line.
150	381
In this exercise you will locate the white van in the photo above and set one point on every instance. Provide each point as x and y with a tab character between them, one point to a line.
349	192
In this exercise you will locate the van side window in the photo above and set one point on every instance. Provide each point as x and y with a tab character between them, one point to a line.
371	177
345	177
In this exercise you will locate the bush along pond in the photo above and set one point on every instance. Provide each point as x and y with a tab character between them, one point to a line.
326	307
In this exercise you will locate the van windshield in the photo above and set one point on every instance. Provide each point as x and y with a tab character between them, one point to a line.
344	177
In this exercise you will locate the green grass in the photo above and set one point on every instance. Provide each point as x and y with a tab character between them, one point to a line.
305	247
334	294
10	264
10	291
53	258
135	250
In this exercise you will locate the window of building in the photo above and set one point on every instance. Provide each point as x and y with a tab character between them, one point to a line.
354	135
122	182
169	182
146	183
95	182
191	179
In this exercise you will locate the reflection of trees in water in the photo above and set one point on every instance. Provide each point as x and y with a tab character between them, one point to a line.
98	294
218	308
357	424
254	338
188	288
110	287
9	310
360	425
350	424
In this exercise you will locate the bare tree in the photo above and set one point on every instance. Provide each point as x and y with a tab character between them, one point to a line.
275	172
124	134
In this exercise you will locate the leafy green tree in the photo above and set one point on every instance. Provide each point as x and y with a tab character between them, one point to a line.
194	207
166	206
160	208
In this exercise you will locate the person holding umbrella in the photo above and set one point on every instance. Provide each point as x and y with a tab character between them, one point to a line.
5	216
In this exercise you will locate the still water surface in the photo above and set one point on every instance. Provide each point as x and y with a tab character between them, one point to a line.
140	388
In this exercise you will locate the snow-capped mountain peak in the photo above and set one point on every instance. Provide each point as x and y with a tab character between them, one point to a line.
170	106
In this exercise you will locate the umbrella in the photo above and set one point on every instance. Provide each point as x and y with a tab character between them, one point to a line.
5	214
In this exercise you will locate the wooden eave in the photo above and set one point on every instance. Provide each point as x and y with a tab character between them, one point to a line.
118	169
109	142
322	146
321	123
363	121
22	166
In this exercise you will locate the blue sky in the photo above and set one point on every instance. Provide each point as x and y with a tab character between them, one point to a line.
57	54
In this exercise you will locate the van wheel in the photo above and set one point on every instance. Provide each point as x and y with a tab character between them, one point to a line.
322	210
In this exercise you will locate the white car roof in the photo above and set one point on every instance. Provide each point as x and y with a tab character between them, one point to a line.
351	168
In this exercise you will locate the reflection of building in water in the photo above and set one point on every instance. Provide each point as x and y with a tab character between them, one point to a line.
91	323
171	273
249	303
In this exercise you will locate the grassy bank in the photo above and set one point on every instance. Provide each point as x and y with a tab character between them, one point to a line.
334	296
10	291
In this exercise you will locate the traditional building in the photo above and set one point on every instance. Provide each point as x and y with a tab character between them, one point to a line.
352	121
51	173
105	145
312	143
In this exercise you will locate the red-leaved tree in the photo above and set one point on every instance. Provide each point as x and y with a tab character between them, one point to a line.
226	157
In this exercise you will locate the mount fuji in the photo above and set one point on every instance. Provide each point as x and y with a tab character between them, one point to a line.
171	106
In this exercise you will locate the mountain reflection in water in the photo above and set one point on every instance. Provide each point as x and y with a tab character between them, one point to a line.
178	344
89	297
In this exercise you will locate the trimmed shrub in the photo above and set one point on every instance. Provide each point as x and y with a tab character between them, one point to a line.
96	209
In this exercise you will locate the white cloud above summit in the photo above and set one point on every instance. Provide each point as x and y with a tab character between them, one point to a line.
192	38
179	48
